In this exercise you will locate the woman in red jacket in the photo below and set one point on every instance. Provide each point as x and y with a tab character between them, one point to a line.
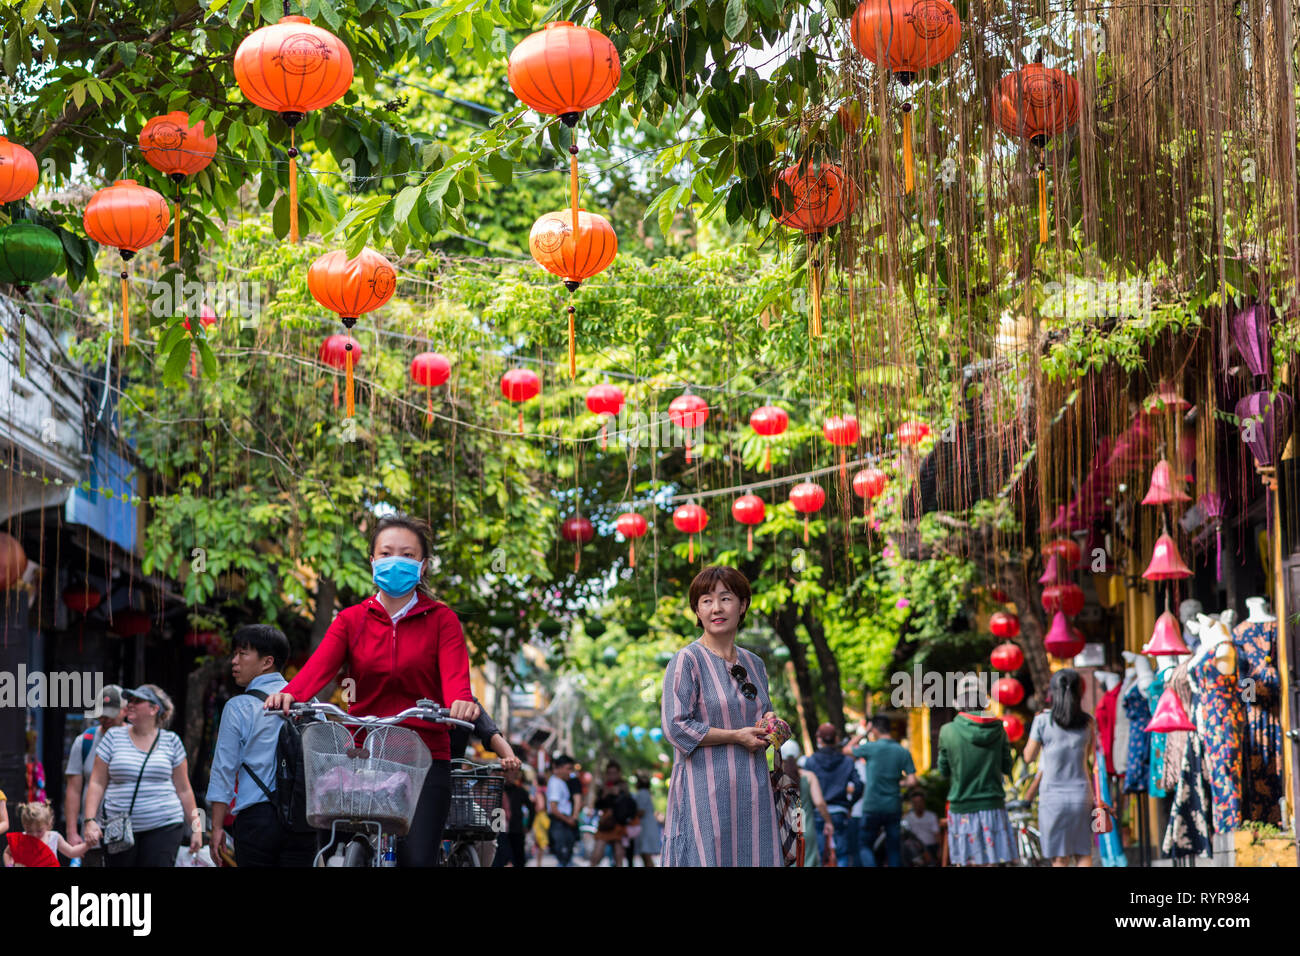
400	645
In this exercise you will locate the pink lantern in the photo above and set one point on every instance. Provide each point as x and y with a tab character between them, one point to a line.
1067	598
1170	715
1166	563
1055	571
1164	489
1061	641
1167	637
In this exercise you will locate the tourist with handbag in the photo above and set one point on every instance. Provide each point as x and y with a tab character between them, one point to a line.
141	776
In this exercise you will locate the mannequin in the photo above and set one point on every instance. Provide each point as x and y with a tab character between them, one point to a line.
1189	613
1220	717
1255	640
1138	711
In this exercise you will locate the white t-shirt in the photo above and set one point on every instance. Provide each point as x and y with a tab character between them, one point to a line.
557	792
925	827
156	805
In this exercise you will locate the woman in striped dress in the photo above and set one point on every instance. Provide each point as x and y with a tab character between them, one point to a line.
721	811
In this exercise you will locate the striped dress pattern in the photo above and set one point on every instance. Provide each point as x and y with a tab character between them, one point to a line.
721	811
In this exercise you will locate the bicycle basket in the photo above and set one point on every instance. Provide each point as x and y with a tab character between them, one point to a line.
475	800
377	779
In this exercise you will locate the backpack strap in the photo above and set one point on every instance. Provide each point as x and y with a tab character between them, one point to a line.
260	695
87	742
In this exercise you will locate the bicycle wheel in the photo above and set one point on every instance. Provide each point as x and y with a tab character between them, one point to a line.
462	855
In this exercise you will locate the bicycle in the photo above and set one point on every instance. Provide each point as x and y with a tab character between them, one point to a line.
1028	842
475	815
367	785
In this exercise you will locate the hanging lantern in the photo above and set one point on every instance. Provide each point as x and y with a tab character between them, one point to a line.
842	432
18	171
1061	640
1014	726
1008	691
207	318
906	37
1007	658
1165	399
579	531
1166	563
175	148
13	561
128	217
1166	637
519	385
81	598
1250	330
912	434
768	421
293	68
1034	103
820	199
631	526
663	659
574	246
1004	625
749	510
999	595
1170	715
688	412
690	519
130	623
1265	422
1067	598
351	288
1164	489
869	484
605	401
28	254
1055	571
1066	549
430	369
341	352
807	497
1212	507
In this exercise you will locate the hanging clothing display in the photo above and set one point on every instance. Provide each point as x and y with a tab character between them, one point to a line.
1188	832
1138	712
1106	710
1119	749
1223	715
1155	781
1176	740
1257	677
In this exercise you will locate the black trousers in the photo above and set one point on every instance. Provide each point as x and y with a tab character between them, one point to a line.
510	849
422	846
156	847
262	840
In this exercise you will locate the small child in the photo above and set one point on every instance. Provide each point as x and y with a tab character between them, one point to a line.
39	841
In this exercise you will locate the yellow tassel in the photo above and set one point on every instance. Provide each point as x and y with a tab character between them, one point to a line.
429	394
351	406
293	192
750	540
126	316
573	350
805	529
176	236
577	560
1042	204
909	179
690	551
521	421
767	458
631	554
573	191
815	322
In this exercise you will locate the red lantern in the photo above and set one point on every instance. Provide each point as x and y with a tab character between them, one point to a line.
768	421
81	598
820	198
1008	691
841	432
631	526
1064	548
1004	625
430	369
579	531
127	217
1014	726
912	433
174	147
519	385
13	561
999	595
605	401
341	351
293	68
807	497
870	483
1007	657
207	318
18	171
749	510
1067	598
691	519
688	412
130	623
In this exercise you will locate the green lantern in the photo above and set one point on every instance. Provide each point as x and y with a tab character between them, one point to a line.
781	654
594	627
610	657
503	620
28	254
664	658
550	628
637	628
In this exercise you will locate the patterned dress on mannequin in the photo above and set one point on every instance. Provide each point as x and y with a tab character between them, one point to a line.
1256	643
1139	751
1188	833
1224	716
1155	784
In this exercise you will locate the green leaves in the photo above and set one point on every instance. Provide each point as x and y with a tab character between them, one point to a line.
737	18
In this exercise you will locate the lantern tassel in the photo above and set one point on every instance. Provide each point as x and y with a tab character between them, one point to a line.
336	392
604	438
767	458
749	539
176	235
573	187
293	189
688	449
805	529
815	322
22	343
428	391
126	315
631	554
351	406
1218	554
521	421
909	177
690	551
573	348
577	559
194	363
1042	203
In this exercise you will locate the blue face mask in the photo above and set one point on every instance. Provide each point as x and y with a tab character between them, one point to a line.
396	575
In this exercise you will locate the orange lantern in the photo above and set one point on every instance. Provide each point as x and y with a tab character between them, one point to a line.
18	171
13	561
820	198
573	248
430	369
351	287
128	217
1034	103
174	147
292	68
906	37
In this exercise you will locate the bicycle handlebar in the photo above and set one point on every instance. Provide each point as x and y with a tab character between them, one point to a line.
423	710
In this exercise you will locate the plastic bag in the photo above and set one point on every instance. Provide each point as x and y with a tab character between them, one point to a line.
187	859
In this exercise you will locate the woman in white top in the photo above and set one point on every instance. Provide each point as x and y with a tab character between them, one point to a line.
141	769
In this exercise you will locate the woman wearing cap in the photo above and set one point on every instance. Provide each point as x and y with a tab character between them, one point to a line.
140	769
400	645
975	754
721	811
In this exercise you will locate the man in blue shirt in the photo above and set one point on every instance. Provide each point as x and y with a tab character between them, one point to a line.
888	764
246	741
